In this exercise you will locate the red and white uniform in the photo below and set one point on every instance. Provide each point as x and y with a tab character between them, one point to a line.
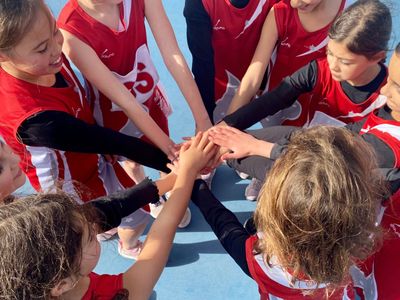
235	35
378	277
295	48
387	131
126	54
46	167
103	287
274	282
328	104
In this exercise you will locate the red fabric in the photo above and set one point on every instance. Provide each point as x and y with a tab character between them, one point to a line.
234	43
387	131
44	166
273	281
103	287
126	54
328	99
378	277
296	47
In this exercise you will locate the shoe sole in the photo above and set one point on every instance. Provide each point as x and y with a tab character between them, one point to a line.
187	221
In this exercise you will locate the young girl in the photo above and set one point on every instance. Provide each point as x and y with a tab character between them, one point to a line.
46	119
315	217
294	33
371	277
222	37
381	130
107	41
344	86
57	248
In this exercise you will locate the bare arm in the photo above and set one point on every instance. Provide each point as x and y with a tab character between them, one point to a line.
93	69
252	79
240	144
143	275
175	62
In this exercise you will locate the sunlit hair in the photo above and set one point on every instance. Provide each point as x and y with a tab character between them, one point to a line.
318	207
16	18
41	243
365	27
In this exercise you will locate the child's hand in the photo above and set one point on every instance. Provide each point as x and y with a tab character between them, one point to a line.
240	143
173	151
195	155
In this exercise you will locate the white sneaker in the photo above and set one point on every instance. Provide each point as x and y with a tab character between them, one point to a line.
105	236
253	189
132	253
242	175
156	208
208	178
186	219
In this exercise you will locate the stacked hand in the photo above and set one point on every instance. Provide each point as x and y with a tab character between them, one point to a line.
194	155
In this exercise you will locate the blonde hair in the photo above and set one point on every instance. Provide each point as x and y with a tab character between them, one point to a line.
318	206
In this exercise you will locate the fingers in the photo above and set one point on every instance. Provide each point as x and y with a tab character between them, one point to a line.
230	155
196	140
204	141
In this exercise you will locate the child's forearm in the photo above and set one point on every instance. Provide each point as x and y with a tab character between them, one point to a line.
148	126
247	89
177	66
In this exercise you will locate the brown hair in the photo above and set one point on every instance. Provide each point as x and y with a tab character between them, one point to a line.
318	207
16	17
365	27
41	243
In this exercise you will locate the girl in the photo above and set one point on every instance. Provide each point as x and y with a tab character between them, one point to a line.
342	86
106	40
222	37
381	130
345	85
294	33
315	217
46	119
53	227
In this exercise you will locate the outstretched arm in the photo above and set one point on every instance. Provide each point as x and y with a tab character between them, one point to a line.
114	207
252	79
143	275
59	130
175	62
93	69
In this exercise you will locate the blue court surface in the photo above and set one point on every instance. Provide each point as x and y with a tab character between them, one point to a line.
198	267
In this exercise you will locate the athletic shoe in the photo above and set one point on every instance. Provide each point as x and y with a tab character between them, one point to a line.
105	236
156	208
132	253
208	178
250	226
242	175
186	219
253	189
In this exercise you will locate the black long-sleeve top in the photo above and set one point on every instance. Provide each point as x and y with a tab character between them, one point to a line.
199	33
112	208
59	130
285	94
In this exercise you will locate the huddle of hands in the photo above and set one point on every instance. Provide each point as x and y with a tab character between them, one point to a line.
207	150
